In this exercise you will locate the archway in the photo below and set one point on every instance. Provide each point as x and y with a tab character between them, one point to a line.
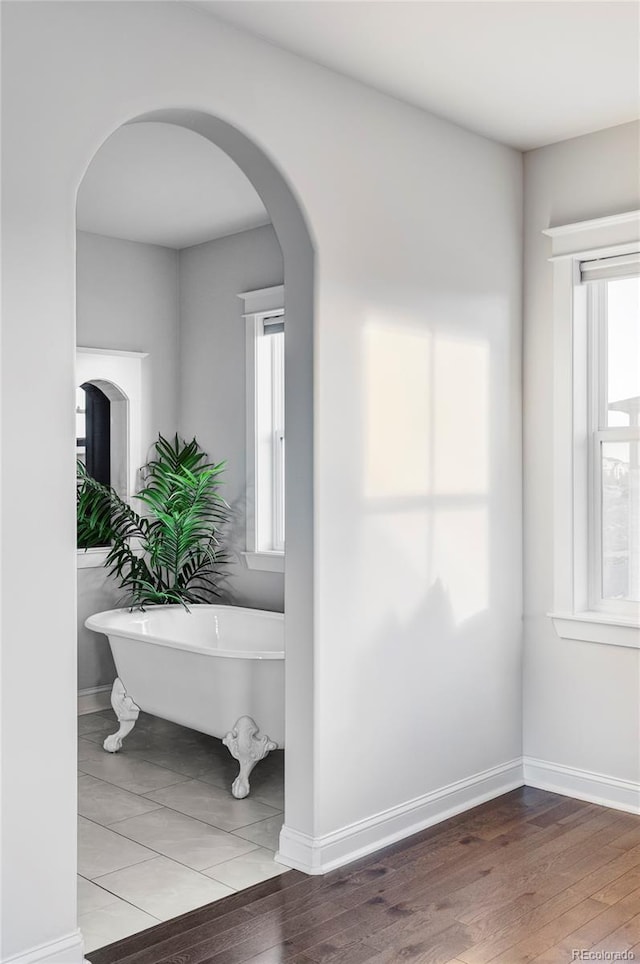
297	250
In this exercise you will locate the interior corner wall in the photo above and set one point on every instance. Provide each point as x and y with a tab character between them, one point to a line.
126	300
581	699
213	377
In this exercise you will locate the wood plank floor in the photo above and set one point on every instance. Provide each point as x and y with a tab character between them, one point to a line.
531	876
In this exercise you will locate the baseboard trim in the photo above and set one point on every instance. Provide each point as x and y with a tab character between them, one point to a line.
319	855
93	699
597	788
66	950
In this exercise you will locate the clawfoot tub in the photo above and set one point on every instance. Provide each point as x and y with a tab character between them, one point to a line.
204	669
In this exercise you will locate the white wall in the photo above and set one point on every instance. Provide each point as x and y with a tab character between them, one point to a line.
127	300
418	461
582	700
412	678
212	379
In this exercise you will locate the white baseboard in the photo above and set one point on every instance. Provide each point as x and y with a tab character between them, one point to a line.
319	855
66	950
597	788
93	699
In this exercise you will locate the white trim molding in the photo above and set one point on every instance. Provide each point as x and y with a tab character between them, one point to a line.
266	561
599	235
597	628
123	371
92	558
574	615
119	375
319	855
262	300
93	699
606	791
65	950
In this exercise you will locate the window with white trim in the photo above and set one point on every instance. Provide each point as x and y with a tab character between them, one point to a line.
265	451
596	388
613	320
118	377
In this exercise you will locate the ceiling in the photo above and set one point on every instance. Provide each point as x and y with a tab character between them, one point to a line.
162	184
523	73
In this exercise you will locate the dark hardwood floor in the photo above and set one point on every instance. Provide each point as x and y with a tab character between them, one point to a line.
531	876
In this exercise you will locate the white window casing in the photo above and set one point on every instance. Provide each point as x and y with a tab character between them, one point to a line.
584	256
119	375
265	439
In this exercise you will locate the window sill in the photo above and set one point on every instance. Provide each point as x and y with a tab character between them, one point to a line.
266	561
595	627
91	558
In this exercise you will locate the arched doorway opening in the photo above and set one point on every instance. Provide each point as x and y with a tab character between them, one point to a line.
297	257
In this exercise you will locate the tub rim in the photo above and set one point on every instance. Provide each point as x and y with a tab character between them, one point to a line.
91	622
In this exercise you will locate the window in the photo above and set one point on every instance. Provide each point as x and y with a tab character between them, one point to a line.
93	440
108	424
93	432
597	429
265	447
613	319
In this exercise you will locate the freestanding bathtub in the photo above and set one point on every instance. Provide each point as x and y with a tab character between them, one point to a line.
216	669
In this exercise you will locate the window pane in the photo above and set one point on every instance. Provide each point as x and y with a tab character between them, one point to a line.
623	352
620	521
81	409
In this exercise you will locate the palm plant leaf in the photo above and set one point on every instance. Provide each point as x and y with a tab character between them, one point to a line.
180	557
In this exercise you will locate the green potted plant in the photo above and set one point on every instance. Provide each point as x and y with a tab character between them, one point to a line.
172	552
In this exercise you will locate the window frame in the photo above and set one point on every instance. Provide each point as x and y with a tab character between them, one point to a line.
598	432
576	613
264	482
119	375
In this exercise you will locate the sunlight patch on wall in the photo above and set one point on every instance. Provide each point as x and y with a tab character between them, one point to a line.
427	466
397	412
427	413
461	416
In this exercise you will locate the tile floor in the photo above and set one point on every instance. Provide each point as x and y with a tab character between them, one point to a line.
158	830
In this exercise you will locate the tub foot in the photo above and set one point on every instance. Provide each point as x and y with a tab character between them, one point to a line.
248	747
127	713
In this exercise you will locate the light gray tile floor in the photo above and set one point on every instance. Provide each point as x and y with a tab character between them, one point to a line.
212	805
163	887
191	842
112	922
137	776
159	831
105	803
264	833
100	851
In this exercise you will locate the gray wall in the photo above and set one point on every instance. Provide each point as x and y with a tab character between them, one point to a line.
212	375
127	300
182	308
580	699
